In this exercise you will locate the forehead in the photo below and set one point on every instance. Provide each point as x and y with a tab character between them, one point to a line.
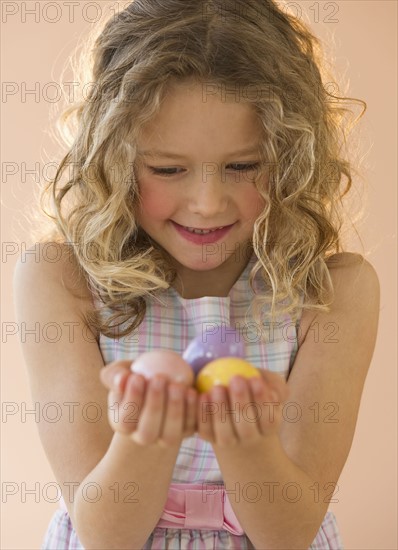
193	120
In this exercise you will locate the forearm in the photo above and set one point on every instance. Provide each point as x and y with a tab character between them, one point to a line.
134	482
262	485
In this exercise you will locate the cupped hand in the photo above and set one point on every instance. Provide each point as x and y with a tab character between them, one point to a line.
243	412
155	411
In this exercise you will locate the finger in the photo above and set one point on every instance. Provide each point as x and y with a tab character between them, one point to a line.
132	402
150	421
171	432
276	383
109	371
191	403
205	412
245	411
269	411
224	432
115	398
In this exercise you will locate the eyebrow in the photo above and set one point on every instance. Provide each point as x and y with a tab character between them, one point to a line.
166	154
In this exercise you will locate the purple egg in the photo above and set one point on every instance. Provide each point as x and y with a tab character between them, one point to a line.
207	347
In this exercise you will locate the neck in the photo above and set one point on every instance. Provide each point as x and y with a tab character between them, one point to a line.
218	282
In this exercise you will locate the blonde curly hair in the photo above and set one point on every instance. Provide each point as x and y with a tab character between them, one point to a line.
249	45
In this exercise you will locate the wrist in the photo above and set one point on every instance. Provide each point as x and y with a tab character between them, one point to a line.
124	445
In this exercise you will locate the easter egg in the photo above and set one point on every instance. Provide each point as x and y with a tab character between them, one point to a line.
208	347
166	362
220	372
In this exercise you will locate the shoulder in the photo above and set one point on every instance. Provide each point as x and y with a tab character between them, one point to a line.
54	264
354	279
350	264
53	261
355	285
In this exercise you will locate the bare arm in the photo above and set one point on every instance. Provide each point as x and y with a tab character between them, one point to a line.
260	460
137	470
81	451
133	481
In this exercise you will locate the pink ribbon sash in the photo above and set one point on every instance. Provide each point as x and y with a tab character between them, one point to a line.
196	506
199	506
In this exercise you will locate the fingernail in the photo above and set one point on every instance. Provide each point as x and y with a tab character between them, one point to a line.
138	384
158	383
176	392
257	385
117	380
237	384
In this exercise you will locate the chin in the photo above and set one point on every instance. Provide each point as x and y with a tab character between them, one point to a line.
202	265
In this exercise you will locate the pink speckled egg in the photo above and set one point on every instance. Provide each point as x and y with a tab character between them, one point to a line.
166	362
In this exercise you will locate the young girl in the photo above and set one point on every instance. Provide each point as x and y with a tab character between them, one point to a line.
203	194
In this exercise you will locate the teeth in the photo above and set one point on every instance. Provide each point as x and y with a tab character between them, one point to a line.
201	231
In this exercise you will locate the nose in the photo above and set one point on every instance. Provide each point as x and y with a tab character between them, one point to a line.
208	198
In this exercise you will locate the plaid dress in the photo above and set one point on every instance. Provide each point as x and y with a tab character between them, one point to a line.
170	323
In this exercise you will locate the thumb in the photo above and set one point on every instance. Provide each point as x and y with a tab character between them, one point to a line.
115	370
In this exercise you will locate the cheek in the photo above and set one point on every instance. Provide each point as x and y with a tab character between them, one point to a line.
155	203
254	204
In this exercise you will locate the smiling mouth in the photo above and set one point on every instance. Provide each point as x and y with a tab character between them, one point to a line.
202	231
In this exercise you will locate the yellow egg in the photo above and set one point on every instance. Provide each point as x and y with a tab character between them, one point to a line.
220	371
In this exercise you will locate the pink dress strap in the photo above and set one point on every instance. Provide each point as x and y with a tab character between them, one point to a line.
199	506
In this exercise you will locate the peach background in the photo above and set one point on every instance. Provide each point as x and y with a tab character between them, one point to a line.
364	41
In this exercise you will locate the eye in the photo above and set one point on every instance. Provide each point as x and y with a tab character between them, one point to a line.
242	167
167	172
163	171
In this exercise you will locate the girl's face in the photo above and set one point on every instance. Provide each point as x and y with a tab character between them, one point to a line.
192	172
